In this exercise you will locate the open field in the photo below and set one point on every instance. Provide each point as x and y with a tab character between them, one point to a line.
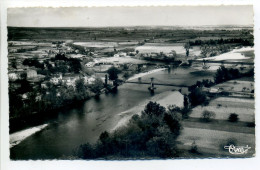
121	60
221	125
96	44
106	44
224	106
167	48
236	85
213	141
157	49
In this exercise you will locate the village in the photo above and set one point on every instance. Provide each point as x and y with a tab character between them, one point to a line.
35	62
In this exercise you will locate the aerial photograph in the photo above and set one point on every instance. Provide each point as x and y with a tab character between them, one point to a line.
131	83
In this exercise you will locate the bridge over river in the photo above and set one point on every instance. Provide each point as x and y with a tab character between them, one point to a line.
221	62
156	84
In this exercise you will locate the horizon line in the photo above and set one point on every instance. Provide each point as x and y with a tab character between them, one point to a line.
230	25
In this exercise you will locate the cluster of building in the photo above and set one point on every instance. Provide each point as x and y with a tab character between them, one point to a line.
19	49
31	75
154	55
68	79
43	54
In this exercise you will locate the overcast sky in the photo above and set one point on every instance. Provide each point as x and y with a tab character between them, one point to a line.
130	16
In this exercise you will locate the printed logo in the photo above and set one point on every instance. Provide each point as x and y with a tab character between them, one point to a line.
237	150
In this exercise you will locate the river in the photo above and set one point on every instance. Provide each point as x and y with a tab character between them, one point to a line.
84	123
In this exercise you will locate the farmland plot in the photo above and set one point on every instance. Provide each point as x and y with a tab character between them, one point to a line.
236	85
121	60
97	44
224	106
157	49
213	141
167	48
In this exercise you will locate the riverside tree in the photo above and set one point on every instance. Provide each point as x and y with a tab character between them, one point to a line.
82	92
187	48
197	96
97	86
113	73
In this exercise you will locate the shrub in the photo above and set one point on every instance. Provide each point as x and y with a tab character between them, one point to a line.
207	115
233	117
228	142
251	124
126	75
185	112
194	148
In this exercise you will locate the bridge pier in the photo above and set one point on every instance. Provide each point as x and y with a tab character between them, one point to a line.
152	88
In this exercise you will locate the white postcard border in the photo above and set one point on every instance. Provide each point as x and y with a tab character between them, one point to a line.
217	164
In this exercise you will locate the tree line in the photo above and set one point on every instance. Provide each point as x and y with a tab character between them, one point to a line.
62	63
241	41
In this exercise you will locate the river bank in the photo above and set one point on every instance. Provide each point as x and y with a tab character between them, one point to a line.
135	76
28	121
24	127
164	99
235	54
19	136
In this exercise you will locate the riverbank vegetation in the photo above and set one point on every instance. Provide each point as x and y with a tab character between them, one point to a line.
240	41
148	136
40	102
197	96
